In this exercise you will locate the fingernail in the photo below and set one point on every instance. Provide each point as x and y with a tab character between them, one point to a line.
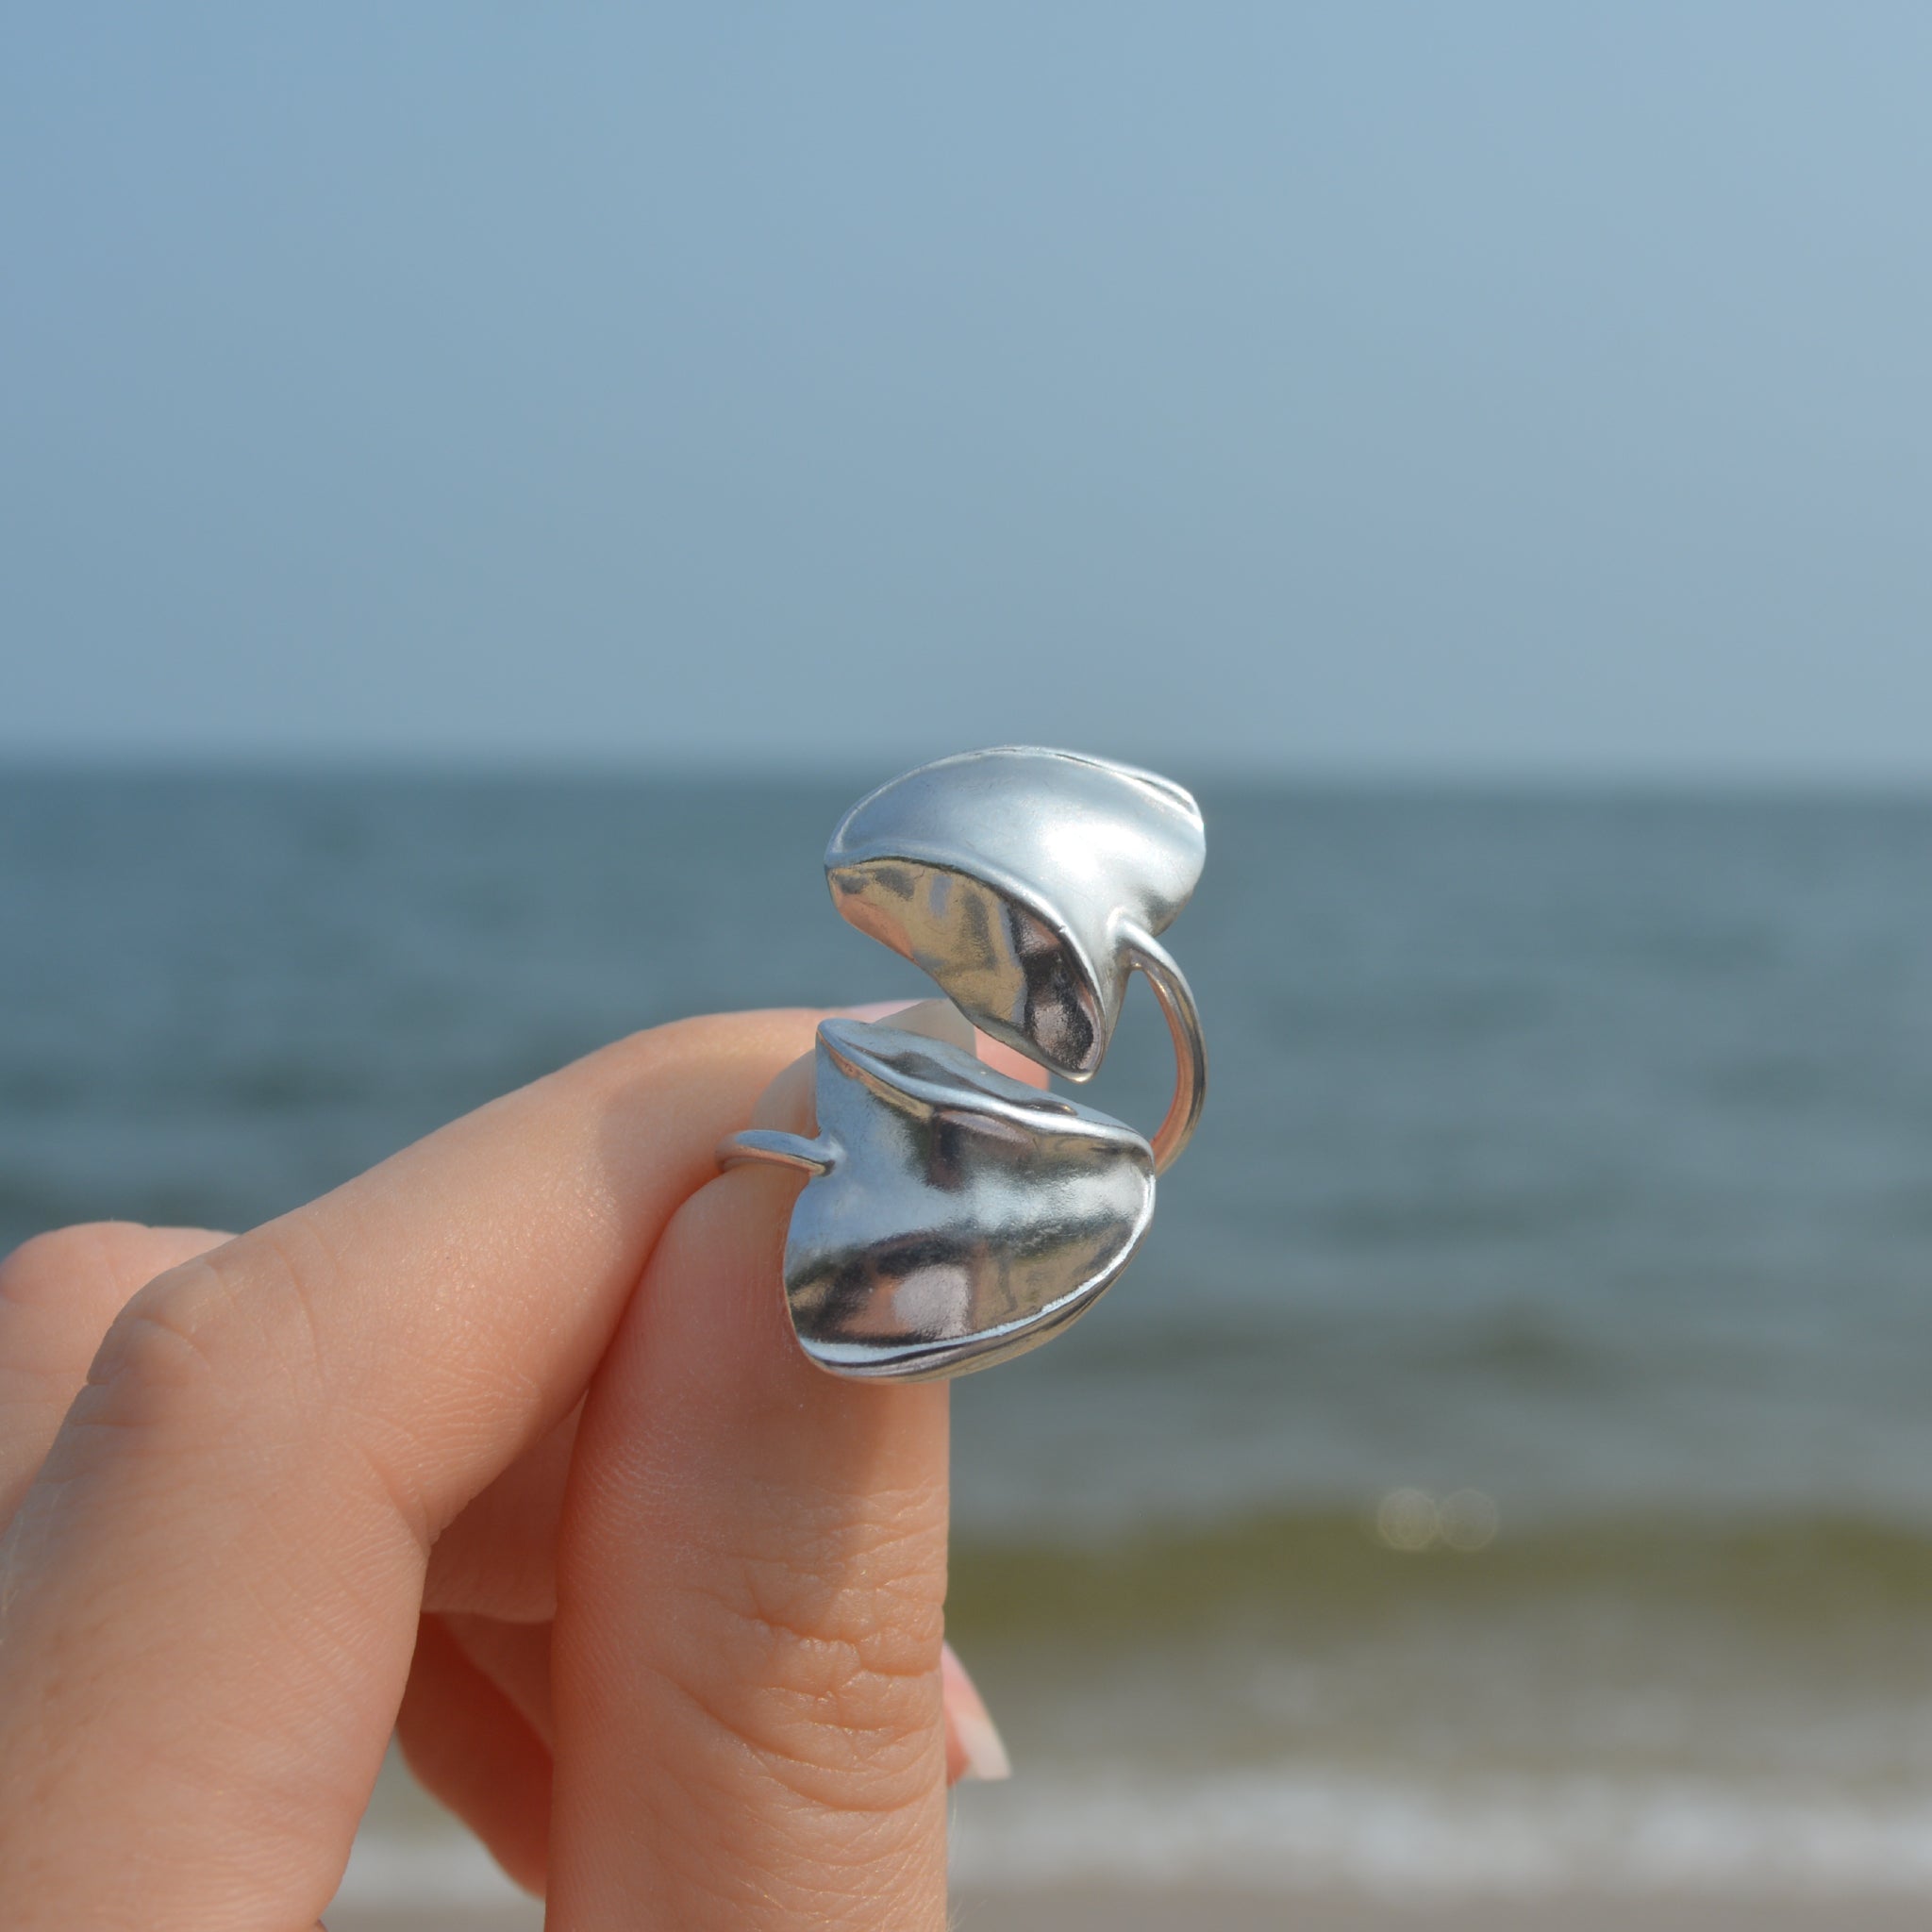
877	1010
972	1733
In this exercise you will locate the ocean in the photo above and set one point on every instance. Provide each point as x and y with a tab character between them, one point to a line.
1508	1466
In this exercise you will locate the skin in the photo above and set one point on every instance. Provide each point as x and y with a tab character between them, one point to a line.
503	1446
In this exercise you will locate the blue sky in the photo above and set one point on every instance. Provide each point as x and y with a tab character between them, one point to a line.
1481	390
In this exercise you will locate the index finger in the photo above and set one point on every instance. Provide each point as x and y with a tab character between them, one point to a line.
208	1598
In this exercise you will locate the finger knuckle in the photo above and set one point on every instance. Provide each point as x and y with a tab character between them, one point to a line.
219	1329
163	1351
43	1271
828	1675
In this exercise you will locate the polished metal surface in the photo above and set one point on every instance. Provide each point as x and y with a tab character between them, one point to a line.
954	1217
950	1216
1029	884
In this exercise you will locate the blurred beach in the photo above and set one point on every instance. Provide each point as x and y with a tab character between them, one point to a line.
1500	1494
1095	1911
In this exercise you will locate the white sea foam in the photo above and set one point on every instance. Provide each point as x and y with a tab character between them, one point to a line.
1290	1829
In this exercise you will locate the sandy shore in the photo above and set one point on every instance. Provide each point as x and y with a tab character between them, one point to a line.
1092	1910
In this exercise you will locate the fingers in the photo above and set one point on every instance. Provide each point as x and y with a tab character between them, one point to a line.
497	1559
58	1294
516	1658
210	1590
275	1436
752	1574
469	1746
489	1776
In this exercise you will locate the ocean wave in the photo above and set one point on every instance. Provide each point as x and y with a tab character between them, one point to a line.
1308	1828
1305	1829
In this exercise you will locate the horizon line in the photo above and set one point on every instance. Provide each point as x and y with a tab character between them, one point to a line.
1740	780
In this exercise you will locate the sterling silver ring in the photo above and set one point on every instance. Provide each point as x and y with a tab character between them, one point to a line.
952	1216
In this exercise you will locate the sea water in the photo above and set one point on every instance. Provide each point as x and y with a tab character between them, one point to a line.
1508	1466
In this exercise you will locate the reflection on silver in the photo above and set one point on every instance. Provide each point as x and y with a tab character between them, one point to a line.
954	1217
1029	884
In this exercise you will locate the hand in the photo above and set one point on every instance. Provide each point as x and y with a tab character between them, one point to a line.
505	1445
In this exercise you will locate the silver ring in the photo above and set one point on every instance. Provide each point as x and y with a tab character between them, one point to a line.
952	1217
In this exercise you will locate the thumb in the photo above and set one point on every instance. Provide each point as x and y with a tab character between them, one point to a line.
750	1593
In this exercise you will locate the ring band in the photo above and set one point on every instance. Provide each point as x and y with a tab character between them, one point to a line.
1190	1045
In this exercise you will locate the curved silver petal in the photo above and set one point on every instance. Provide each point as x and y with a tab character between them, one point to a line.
1029	884
957	1216
1017	879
